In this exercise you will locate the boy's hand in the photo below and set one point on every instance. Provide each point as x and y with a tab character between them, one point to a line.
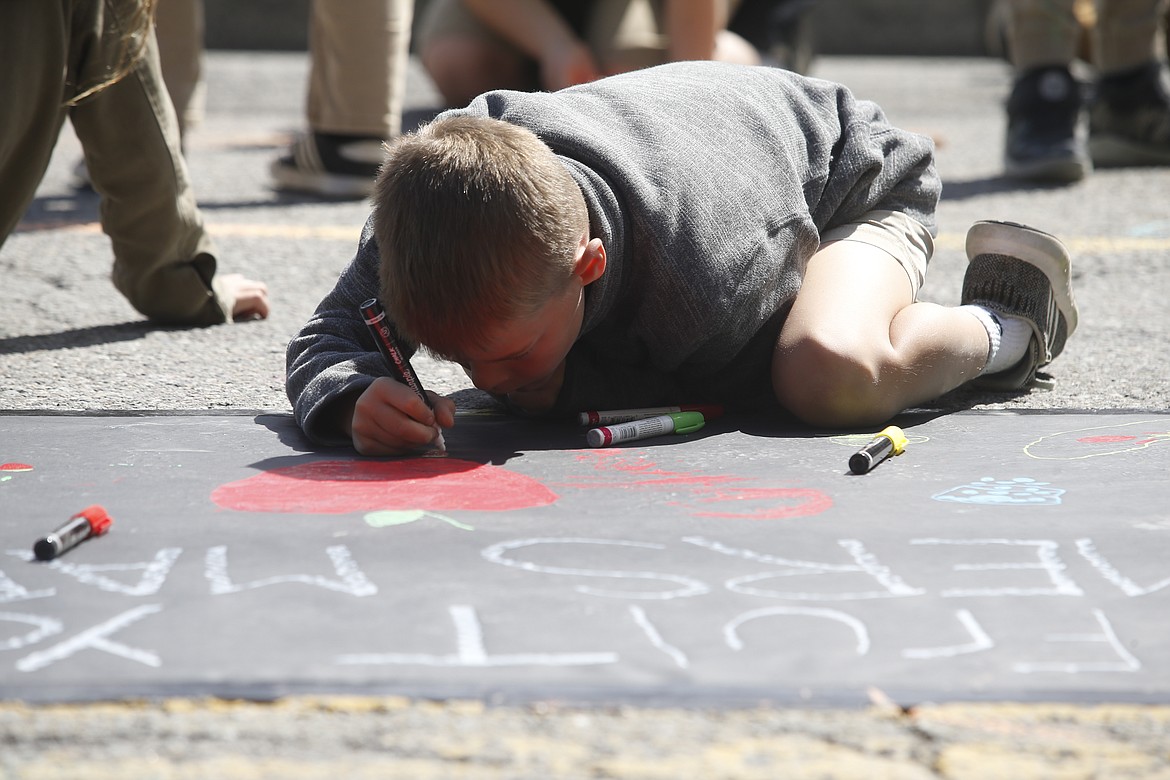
389	419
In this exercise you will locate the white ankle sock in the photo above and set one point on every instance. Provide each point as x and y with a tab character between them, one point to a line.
1007	337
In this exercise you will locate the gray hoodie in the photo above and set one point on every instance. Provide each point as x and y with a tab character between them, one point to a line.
710	186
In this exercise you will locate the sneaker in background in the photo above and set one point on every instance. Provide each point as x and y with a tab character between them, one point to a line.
329	165
1022	272
1044	143
1129	120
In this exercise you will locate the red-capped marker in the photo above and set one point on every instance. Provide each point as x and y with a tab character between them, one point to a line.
676	422
91	521
375	317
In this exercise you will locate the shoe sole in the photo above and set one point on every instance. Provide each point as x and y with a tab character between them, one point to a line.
1034	247
289	178
1111	151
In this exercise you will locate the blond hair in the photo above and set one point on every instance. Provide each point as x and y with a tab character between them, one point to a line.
477	223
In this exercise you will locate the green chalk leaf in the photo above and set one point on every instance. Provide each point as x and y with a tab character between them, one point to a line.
388	517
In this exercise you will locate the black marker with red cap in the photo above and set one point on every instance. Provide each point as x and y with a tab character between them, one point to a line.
375	317
91	521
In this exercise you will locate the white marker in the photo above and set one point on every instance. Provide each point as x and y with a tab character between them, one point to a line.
679	422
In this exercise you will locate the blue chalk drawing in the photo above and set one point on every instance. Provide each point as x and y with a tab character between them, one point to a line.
1160	228
989	491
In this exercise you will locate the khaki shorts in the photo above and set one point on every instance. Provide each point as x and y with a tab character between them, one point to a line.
903	238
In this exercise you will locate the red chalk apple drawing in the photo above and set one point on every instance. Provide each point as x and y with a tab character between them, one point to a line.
716	496
392	492
397	492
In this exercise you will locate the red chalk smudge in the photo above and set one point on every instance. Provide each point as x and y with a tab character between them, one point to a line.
777	503
14	467
707	492
1110	439
341	486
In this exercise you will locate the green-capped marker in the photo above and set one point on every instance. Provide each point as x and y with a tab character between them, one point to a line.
677	422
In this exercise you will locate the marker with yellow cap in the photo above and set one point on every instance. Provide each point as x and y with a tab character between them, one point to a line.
890	441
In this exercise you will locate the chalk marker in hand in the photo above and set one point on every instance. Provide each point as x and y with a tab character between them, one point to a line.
679	422
890	441
375	317
91	521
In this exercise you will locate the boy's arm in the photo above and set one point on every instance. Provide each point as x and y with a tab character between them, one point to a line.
333	359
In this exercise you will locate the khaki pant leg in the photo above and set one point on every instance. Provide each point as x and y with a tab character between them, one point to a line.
162	257
1042	32
179	27
1127	34
33	44
359	51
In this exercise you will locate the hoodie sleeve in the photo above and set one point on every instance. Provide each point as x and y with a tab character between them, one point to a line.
334	355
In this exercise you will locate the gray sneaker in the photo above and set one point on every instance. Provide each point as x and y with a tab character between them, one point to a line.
1023	272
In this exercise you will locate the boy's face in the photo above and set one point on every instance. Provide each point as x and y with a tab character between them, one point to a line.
525	357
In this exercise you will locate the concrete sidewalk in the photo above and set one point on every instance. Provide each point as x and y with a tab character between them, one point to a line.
398	739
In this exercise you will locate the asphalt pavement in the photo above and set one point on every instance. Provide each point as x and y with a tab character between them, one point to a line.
69	342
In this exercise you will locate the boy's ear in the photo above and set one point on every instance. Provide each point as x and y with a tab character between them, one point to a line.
591	264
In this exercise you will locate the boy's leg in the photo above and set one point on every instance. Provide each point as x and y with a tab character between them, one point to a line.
1022	278
857	348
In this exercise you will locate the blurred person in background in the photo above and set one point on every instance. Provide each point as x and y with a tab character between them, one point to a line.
473	46
96	63
358	53
1128	105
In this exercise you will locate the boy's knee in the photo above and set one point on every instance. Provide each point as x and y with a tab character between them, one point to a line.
827	384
